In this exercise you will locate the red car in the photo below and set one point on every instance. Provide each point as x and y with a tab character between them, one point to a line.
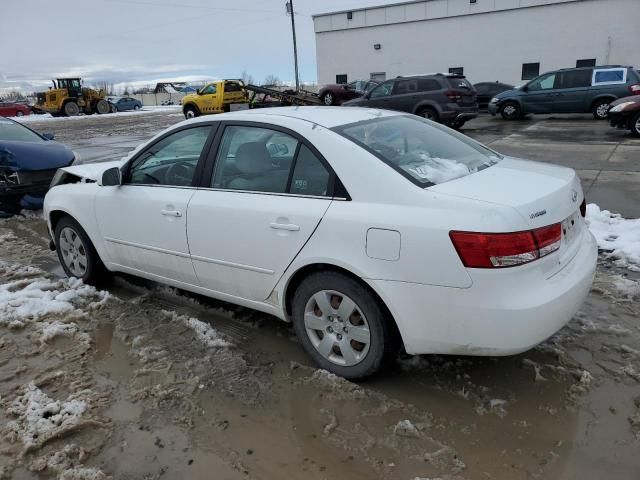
13	109
335	94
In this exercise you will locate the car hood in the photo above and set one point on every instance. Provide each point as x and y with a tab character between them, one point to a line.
92	171
514	92
542	193
34	155
634	98
190	97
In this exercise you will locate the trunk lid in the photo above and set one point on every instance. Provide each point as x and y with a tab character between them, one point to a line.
542	194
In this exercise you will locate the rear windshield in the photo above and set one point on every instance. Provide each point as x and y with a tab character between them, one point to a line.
422	151
457	82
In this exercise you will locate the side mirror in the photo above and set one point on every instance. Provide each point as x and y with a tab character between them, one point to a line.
48	136
111	177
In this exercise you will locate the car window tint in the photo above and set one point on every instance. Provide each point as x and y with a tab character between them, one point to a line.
171	161
209	90
310	177
609	76
254	159
14	131
481	87
575	78
382	90
421	151
428	85
546	82
405	86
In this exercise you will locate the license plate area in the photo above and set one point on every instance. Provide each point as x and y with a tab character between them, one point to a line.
571	228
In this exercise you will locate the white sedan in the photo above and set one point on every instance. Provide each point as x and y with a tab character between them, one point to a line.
365	228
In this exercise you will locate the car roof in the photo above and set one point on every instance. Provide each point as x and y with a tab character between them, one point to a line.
328	117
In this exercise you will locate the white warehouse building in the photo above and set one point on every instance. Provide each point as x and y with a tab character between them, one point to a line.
486	40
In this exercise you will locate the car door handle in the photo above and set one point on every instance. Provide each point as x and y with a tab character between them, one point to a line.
171	213
285	226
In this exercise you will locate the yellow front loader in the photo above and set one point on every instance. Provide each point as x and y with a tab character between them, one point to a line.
69	98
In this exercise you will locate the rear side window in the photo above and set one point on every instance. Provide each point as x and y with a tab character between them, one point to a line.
428	85
575	78
610	76
421	151
405	86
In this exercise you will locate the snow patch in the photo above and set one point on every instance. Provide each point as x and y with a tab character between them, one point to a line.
39	416
205	333
618	236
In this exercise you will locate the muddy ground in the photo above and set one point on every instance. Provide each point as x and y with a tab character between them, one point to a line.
143	382
126	383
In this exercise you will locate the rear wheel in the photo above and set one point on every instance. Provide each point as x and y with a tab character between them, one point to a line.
342	326
77	254
71	109
102	107
634	125
19	114
329	99
600	109
136	107
190	112
511	111
429	113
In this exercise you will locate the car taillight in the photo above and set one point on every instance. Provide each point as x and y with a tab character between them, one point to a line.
499	250
583	207
454	95
635	89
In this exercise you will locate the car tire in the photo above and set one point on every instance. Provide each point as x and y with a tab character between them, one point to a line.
600	109
511	111
19	114
71	109
102	107
634	125
329	99
137	107
429	113
191	112
367	320
114	109
74	247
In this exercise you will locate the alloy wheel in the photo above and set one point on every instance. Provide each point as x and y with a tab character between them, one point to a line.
337	328
602	110
73	252
328	99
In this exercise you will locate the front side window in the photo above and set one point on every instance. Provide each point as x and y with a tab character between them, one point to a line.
382	90
405	86
209	90
260	159
546	82
426	154
172	161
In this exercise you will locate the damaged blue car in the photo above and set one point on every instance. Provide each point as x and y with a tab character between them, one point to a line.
28	162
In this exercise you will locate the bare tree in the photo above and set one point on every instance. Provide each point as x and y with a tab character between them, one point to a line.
13	96
246	77
272	80
106	86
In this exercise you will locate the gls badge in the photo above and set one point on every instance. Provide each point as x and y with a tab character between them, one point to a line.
537	214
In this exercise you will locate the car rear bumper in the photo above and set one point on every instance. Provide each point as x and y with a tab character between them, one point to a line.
459	114
504	312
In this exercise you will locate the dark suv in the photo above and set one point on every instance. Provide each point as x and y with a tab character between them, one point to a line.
444	98
570	90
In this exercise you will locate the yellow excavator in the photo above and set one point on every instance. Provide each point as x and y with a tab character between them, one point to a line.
69	98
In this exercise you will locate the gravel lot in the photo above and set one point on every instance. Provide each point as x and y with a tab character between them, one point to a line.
143	382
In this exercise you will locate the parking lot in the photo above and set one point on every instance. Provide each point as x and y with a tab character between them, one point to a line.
159	384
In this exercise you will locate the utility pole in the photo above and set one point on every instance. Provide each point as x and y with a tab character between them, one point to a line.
290	11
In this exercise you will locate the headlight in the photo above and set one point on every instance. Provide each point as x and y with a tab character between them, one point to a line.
77	158
495	100
621	107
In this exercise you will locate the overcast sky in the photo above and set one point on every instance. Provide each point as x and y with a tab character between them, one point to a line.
143	41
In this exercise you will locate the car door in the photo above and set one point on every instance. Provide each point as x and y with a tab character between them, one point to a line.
268	192
143	221
539	94
381	96
404	95
4	110
209	98
572	94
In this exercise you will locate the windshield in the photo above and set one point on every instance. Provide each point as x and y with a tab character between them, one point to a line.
425	153
14	131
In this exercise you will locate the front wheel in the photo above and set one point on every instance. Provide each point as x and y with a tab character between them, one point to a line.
190	112
137	107
71	109
19	114
511	111
102	107
77	254
634	125
342	326
600	109
329	99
